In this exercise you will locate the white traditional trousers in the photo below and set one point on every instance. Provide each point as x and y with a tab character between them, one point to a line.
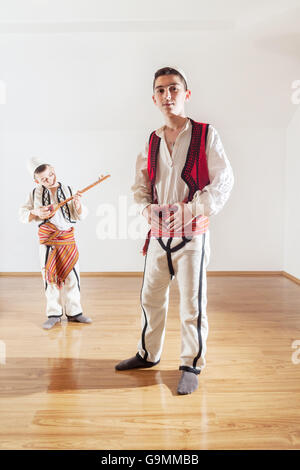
189	267
65	300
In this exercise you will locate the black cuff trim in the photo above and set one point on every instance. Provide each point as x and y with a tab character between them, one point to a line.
54	316
74	316
146	362
190	369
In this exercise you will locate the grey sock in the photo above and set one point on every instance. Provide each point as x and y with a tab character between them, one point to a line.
80	319
134	363
51	322
188	383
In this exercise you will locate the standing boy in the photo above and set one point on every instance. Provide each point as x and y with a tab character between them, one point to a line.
183	165
58	250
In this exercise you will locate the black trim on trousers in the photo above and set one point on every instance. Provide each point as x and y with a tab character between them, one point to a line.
46	259
170	250
74	316
77	277
190	369
149	363
145	316
55	316
200	305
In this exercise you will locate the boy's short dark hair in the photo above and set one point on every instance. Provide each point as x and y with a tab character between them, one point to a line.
169	71
41	168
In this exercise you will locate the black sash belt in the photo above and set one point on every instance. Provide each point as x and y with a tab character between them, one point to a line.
170	250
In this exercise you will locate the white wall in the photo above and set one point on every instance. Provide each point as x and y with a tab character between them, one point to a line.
82	101
292	198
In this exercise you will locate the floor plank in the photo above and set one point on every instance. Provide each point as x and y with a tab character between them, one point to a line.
59	389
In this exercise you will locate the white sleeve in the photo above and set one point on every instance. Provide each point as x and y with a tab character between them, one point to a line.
25	209
142	185
211	199
84	212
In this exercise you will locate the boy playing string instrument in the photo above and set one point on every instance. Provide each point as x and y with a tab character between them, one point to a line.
58	250
184	167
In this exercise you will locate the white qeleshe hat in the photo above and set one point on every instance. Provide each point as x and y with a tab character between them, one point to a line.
180	71
33	163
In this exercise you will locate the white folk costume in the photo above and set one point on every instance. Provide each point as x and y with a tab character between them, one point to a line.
199	174
58	251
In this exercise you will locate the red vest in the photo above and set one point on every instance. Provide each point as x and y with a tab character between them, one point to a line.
195	170
194	173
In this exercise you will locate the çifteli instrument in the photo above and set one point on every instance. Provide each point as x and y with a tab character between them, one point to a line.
54	207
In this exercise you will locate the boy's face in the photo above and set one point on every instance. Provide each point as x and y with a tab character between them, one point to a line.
169	95
47	178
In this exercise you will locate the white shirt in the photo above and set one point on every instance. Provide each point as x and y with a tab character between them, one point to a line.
170	186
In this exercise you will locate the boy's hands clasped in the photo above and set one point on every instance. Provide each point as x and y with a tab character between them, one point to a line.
175	216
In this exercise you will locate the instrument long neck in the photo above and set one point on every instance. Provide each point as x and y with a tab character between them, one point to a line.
83	190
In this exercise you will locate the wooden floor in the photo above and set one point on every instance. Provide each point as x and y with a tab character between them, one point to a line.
59	389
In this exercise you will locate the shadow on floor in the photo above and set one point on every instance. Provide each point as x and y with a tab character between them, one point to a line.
23	376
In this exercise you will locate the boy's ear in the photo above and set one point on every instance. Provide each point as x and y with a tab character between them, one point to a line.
153	98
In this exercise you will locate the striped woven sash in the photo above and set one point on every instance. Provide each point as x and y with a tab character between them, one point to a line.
197	226
64	254
190	228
